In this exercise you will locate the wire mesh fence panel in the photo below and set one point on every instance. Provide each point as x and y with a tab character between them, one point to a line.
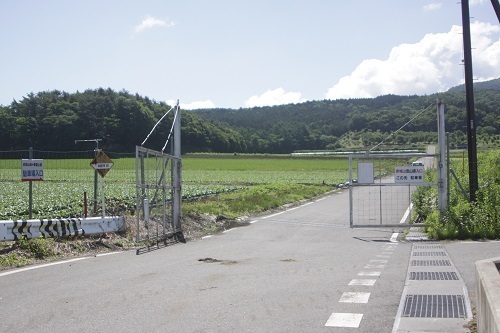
153	194
382	205
67	179
382	193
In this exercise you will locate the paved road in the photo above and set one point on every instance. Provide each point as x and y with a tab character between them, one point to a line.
302	270
282	273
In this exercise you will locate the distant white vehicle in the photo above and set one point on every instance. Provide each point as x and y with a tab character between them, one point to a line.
417	163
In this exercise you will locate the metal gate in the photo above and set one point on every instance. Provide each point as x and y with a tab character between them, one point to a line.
381	196
155	190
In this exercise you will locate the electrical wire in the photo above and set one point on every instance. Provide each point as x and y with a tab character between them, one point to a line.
399	129
171	128
142	144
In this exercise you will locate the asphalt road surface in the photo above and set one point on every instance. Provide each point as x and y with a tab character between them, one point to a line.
300	270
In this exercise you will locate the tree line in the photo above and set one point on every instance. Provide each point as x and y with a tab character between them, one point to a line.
53	120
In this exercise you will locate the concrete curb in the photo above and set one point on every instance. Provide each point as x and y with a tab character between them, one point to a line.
13	230
488	295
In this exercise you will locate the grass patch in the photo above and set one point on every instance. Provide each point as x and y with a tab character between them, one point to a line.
465	220
253	200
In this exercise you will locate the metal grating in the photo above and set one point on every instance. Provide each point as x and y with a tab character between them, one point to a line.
430	253
433	276
430	263
427	247
435	306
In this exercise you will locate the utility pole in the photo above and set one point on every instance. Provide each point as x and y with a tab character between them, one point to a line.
469	101
496	7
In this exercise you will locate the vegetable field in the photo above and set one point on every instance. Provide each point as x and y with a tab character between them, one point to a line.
61	193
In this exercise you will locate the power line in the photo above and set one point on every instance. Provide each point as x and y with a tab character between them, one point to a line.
399	129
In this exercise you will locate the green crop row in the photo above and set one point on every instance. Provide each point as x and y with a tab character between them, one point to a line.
61	193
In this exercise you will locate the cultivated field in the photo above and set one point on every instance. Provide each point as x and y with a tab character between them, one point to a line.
61	193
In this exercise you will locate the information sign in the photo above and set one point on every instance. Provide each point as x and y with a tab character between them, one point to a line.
409	174
32	170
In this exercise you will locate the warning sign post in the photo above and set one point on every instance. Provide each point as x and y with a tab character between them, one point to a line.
101	163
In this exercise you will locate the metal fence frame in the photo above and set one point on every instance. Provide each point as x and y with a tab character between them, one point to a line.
381	184
154	179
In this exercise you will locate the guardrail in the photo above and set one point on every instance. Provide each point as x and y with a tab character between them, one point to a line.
488	295
70	227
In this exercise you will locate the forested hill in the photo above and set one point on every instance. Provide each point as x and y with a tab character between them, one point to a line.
53	120
485	85
325	124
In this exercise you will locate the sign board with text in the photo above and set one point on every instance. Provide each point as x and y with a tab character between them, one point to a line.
32	170
101	163
409	174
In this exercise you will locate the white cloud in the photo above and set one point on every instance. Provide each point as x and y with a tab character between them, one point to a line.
428	66
274	97
152	22
208	104
432	6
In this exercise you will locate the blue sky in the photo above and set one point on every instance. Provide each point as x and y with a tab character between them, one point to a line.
242	53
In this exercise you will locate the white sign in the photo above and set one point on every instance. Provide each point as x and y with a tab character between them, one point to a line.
409	174
365	173
32	170
102	166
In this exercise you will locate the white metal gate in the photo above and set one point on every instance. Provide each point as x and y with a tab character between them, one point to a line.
159	188
378	197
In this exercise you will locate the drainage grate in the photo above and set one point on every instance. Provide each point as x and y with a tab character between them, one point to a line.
433	276
435	306
423	254
430	263
426	247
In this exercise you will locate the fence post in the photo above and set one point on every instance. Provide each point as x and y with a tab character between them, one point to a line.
96	151
177	172
30	198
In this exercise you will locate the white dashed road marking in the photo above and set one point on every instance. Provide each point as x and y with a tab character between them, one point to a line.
381	261
374	266
344	320
377	274
354	297
362	282
354	319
